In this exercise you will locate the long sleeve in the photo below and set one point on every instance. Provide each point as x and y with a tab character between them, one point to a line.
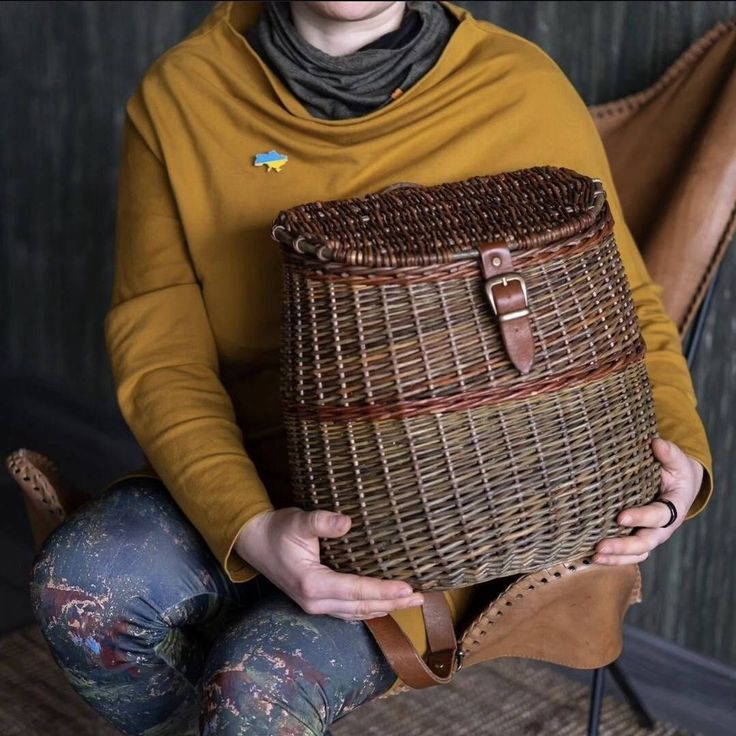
165	363
572	140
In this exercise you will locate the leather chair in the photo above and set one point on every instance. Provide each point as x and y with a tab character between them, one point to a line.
671	149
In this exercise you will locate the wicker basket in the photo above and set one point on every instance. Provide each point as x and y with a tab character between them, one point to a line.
463	375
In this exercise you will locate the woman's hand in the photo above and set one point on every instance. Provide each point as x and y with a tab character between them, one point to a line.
283	544
681	479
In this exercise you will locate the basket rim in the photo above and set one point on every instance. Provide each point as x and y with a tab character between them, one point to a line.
291	227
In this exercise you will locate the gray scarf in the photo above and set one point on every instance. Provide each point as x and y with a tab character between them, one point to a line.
338	87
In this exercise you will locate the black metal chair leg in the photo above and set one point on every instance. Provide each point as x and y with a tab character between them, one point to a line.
643	717
596	700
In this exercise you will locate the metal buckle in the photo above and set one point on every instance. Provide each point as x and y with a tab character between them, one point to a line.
504	280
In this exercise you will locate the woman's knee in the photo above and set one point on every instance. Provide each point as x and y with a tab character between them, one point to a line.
72	591
98	578
281	670
111	589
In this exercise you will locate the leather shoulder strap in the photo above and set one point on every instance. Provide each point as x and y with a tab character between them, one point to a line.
440	665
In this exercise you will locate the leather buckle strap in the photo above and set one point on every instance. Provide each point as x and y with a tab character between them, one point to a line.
507	294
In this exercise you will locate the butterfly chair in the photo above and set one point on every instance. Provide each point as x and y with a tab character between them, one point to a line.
671	153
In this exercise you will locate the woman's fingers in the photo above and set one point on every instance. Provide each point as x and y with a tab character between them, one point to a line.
349	617
322	523
672	459
681	478
358	596
619	559
642	541
356	609
655	515
322	582
319	589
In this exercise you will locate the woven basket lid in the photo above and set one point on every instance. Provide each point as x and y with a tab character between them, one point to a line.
410	224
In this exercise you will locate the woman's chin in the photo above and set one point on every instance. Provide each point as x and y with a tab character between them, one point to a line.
348	10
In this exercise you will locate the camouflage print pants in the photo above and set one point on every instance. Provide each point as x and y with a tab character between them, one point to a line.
149	630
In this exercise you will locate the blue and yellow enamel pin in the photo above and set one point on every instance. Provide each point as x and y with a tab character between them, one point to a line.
272	160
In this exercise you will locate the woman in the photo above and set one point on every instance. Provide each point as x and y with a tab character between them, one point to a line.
150	596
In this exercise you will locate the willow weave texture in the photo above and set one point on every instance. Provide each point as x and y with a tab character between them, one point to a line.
402	408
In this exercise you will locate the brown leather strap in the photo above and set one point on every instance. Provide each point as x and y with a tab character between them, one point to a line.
506	292
404	658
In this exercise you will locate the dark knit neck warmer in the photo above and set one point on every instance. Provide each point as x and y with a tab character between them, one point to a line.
338	87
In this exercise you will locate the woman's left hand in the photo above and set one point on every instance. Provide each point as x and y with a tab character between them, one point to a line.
681	479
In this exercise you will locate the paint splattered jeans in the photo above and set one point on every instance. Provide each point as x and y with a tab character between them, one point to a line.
149	630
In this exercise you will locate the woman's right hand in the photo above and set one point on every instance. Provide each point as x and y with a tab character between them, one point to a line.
283	544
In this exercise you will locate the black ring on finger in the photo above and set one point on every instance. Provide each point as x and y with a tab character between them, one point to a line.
672	508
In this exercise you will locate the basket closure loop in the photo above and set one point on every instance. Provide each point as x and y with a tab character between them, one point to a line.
507	294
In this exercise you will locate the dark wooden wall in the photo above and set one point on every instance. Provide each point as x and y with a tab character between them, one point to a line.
66	69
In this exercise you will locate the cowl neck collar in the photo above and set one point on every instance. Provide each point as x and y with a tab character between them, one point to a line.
236	16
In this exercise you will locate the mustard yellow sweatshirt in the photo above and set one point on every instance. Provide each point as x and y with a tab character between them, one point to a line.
193	328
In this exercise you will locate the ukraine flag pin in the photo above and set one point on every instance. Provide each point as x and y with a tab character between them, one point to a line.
272	160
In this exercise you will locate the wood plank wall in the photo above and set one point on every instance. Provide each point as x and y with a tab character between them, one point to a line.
66	69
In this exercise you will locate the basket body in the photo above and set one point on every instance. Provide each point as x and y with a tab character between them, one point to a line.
403	409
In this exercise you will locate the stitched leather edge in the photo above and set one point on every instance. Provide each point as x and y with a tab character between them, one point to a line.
720	251
480	622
